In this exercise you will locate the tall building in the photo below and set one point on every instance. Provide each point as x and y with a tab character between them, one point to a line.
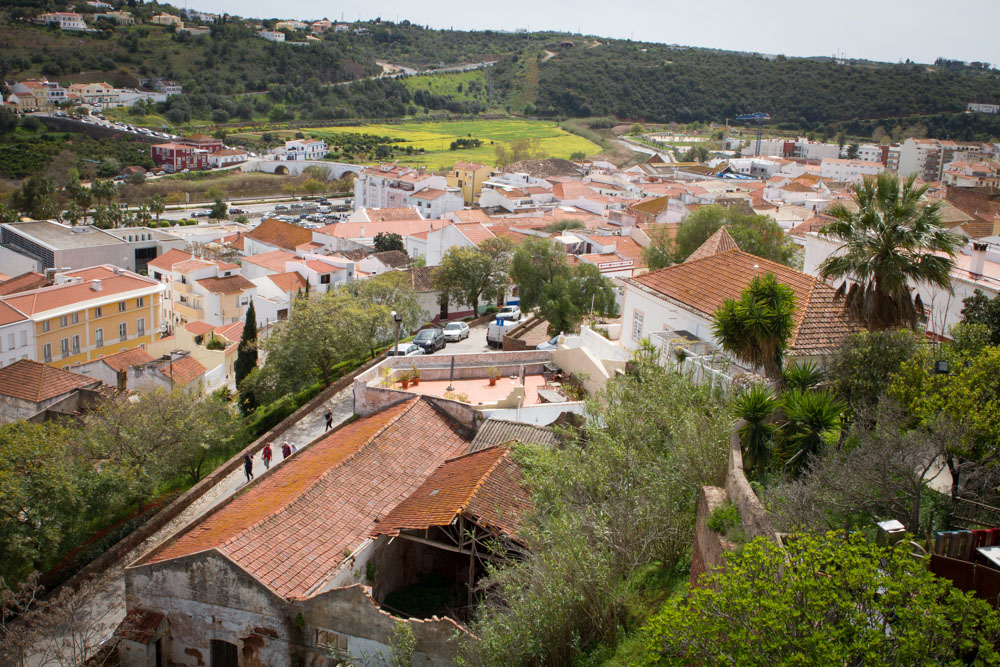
390	186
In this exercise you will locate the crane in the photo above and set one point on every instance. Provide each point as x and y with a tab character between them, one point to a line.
760	118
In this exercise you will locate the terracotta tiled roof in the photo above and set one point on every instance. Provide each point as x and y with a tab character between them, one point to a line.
629	249
720	241
820	324
183	371
977	229
428	193
198	328
273	260
500	431
289	529
288	282
485	486
22	283
227	285
475	232
651	206
391	214
395	259
813	224
192	264
471	215
9	315
420	278
321	267
36	382
350	230
231	332
120	361
67	294
280	234
795	186
166	261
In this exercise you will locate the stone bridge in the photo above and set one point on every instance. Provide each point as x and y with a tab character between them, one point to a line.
334	170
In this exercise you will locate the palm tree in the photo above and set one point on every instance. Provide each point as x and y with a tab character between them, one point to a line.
804	376
157	205
892	242
756	328
813	420
755	406
72	214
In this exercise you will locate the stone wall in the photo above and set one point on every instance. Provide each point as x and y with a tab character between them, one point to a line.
206	597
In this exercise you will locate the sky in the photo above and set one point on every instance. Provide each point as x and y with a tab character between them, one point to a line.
886	30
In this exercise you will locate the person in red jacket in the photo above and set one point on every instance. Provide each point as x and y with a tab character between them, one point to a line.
266	456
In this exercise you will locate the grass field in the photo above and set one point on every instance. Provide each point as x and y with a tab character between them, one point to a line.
467	86
435	138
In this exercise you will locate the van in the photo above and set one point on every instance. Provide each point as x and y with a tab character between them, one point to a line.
497	329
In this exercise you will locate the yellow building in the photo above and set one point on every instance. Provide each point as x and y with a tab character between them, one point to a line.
469	176
90	313
166	19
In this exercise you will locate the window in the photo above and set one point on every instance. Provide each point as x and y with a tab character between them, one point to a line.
62	320
64	347
636	325
45	325
97	311
123	331
47	352
10	341
75	318
141	326
157	275
140	301
76	344
99	337
324	279
121	306
24	338
224	654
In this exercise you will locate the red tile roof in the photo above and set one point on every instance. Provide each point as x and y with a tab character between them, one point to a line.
231	332
36	382
475	232
321	267
820	324
68	294
183	371
392	214
720	241
166	261
280	234
198	328
273	260
428	193
22	283
226	285
289	529
349	230
471	215
125	359
485	486
9	315
288	282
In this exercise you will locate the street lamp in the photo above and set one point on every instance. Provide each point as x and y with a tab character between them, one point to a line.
397	320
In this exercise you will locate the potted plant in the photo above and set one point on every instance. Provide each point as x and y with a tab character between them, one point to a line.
493	373
415	375
404	378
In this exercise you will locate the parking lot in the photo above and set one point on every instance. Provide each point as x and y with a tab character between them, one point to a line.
475	343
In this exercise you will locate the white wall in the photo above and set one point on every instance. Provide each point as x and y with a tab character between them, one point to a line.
659	315
17	341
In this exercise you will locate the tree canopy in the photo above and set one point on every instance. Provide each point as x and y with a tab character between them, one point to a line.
757	327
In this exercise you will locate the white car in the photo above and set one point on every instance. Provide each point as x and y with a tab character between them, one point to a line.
404	350
510	313
454	331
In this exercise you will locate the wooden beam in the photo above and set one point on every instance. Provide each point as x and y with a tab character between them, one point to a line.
448	547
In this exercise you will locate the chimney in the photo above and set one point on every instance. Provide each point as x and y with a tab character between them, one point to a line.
978	258
95	285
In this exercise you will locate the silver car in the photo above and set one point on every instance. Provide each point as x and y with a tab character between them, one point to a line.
454	331
404	350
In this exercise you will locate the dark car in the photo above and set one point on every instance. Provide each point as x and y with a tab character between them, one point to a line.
431	340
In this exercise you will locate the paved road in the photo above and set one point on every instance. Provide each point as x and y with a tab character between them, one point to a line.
105	607
474	344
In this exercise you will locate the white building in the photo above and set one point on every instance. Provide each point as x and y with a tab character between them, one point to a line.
66	20
434	203
849	171
391	186
272	35
304	149
17	335
226	157
871	153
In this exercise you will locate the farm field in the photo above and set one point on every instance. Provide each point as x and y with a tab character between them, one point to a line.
436	137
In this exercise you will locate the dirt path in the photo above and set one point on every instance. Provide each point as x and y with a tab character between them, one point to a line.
106	605
549	55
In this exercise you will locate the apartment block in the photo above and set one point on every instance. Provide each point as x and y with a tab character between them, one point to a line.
90	313
391	185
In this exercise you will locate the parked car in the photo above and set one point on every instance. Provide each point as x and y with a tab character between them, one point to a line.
280	208
431	340
454	331
237	211
551	344
404	350
510	313
202	214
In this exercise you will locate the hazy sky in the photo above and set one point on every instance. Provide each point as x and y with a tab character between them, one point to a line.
888	30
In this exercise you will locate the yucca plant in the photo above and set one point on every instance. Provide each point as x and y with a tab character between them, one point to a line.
756	328
803	376
813	420
756	406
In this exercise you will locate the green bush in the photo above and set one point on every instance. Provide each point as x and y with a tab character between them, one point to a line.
725	520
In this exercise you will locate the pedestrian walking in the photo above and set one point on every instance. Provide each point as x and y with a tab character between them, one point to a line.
286	451
266	456
248	466
329	419
294	448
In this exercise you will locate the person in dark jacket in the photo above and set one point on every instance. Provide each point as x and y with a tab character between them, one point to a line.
329	419
286	451
248	466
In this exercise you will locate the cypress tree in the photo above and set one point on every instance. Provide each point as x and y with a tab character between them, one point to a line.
246	359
